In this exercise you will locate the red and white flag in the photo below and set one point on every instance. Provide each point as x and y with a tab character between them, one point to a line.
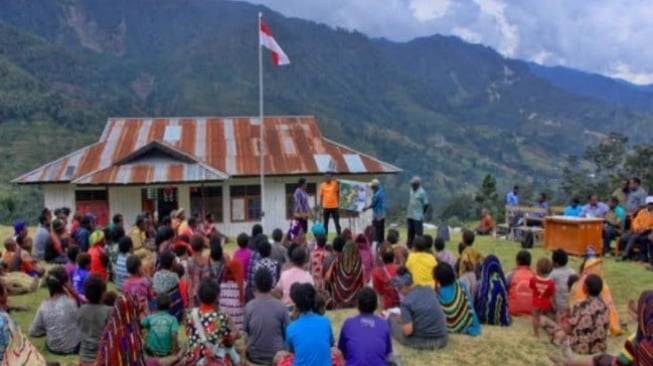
266	40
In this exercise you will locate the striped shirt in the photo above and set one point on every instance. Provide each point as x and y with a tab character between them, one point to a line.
120	271
229	303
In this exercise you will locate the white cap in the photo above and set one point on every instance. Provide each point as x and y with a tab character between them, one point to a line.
375	183
415	180
649	200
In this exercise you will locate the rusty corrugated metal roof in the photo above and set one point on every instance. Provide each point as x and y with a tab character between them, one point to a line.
159	150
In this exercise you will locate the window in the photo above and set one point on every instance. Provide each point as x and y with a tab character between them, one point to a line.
245	203
311	189
91	195
207	200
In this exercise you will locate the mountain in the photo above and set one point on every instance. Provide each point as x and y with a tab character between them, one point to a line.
618	92
437	106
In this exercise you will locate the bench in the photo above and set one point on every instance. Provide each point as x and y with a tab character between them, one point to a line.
526	214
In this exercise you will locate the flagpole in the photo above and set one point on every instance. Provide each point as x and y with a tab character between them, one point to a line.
261	123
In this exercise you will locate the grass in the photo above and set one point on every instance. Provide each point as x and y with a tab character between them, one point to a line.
514	345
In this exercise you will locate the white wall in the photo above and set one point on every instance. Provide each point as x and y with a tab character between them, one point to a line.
127	201
58	195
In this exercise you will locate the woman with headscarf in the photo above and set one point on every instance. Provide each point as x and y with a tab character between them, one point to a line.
345	275
577	295
99	257
638	348
492	294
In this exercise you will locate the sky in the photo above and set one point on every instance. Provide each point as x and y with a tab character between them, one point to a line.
609	37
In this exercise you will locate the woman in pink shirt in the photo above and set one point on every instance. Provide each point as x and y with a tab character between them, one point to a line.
295	274
243	254
365	251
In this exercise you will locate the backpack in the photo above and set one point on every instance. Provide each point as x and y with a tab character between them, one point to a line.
527	240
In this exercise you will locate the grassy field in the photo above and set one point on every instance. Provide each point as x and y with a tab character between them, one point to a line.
514	345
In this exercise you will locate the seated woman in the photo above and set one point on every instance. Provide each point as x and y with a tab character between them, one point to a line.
382	277
638	348
211	333
56	317
99	257
232	293
577	295
492	296
122	341
138	285
520	295
455	300
56	245
365	338
16	348
345	275
309	338
19	257
422	324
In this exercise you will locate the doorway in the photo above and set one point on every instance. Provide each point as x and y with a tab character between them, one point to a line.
162	200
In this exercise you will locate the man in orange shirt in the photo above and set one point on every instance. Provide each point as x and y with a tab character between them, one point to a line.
329	201
640	230
487	223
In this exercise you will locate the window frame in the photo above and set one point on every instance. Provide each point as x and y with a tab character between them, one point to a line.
245	193
211	200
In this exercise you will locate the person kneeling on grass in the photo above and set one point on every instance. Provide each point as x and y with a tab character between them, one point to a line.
421	324
91	319
162	329
56	318
456	303
365	338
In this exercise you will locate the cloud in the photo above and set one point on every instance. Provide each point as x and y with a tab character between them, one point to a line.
611	37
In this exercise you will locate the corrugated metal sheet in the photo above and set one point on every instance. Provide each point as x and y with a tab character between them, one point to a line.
218	147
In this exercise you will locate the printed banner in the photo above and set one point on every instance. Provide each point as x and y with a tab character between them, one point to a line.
353	195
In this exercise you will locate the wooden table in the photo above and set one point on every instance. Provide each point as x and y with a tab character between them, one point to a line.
573	234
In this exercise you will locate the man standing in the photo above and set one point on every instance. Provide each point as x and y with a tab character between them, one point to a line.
138	236
378	211
302	208
636	196
42	235
418	204
594	208
512	198
329	201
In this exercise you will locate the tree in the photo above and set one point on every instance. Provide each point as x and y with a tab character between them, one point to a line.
639	163
487	196
608	159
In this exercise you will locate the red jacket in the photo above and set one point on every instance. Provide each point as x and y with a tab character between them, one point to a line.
520	295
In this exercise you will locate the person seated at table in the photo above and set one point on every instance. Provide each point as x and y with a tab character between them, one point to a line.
574	209
421	323
594	208
486	226
613	225
641	227
536	218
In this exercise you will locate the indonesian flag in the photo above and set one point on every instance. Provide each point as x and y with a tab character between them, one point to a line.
266	40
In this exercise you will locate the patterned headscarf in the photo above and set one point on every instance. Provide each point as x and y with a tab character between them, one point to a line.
644	339
492	296
318	229
121	342
351	259
96	237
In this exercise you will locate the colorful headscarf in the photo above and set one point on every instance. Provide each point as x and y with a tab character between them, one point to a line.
457	308
318	229
96	237
643	352
347	277
19	226
492	296
121	342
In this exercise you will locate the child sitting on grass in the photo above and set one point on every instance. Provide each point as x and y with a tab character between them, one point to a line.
162	329
520	295
543	289
421	262
71	265
442	254
471	254
165	279
80	274
137	284
91	319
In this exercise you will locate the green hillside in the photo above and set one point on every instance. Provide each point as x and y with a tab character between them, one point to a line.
438	107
